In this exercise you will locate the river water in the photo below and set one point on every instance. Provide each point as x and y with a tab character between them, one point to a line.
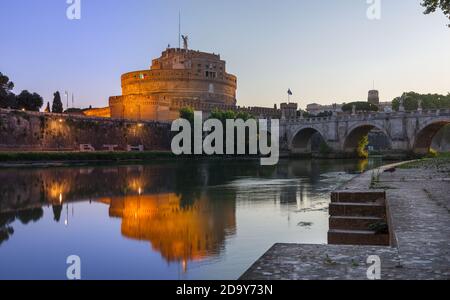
174	220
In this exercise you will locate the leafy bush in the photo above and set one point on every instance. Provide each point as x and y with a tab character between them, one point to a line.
187	113
432	153
360	107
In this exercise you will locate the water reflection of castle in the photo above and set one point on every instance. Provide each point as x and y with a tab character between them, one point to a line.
183	226
179	233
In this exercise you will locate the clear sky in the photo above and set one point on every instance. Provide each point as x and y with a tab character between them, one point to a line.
324	50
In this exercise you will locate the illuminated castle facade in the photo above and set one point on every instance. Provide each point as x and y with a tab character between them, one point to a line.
179	78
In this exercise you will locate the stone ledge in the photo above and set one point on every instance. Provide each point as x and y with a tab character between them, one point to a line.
320	262
420	219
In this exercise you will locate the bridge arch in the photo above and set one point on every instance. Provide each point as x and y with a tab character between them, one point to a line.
300	142
424	137
357	132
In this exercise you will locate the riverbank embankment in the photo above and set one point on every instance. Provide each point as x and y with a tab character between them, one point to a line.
418	198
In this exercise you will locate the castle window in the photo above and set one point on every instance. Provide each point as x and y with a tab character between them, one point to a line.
211	74
211	88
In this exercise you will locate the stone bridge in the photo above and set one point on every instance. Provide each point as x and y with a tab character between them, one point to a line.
407	132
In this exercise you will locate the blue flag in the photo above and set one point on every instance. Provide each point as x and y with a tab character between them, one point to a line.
290	92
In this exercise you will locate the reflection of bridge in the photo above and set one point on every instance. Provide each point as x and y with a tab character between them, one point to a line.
407	132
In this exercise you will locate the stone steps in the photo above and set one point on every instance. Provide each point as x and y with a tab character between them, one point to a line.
353	223
358	210
357	237
351	215
358	197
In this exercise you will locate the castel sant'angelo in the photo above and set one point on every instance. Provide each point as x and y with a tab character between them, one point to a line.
179	78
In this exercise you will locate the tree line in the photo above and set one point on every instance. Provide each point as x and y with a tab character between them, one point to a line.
411	101
25	100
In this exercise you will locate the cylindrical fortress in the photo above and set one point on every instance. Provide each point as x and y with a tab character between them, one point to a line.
179	76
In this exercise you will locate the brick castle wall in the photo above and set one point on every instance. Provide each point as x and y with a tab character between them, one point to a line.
50	132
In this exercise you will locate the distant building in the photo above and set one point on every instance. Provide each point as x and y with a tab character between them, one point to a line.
289	110
374	97
315	109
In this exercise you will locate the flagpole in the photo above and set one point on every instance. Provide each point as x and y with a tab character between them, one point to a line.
179	29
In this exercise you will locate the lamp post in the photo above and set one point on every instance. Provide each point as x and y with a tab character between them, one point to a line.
67	99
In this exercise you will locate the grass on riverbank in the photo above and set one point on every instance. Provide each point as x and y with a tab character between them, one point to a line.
82	156
440	162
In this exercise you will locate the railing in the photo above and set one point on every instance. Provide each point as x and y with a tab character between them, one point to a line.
370	116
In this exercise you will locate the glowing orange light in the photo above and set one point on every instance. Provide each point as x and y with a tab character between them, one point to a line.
184	264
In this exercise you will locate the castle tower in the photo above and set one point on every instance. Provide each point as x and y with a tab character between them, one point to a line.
374	97
289	110
179	78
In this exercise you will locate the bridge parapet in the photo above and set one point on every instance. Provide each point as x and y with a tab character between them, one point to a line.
368	116
406	131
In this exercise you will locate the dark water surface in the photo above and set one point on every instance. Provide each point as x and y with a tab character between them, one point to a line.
181	220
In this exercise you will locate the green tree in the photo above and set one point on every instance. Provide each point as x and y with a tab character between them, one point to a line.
57	106
224	115
187	113
29	101
432	5
47	108
362	147
7	98
360	107
429	101
6	86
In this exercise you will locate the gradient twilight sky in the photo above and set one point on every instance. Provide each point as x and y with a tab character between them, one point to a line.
326	51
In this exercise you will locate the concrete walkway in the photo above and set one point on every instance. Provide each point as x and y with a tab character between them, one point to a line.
418	201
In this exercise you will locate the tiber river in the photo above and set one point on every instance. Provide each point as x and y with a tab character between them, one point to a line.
174	220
